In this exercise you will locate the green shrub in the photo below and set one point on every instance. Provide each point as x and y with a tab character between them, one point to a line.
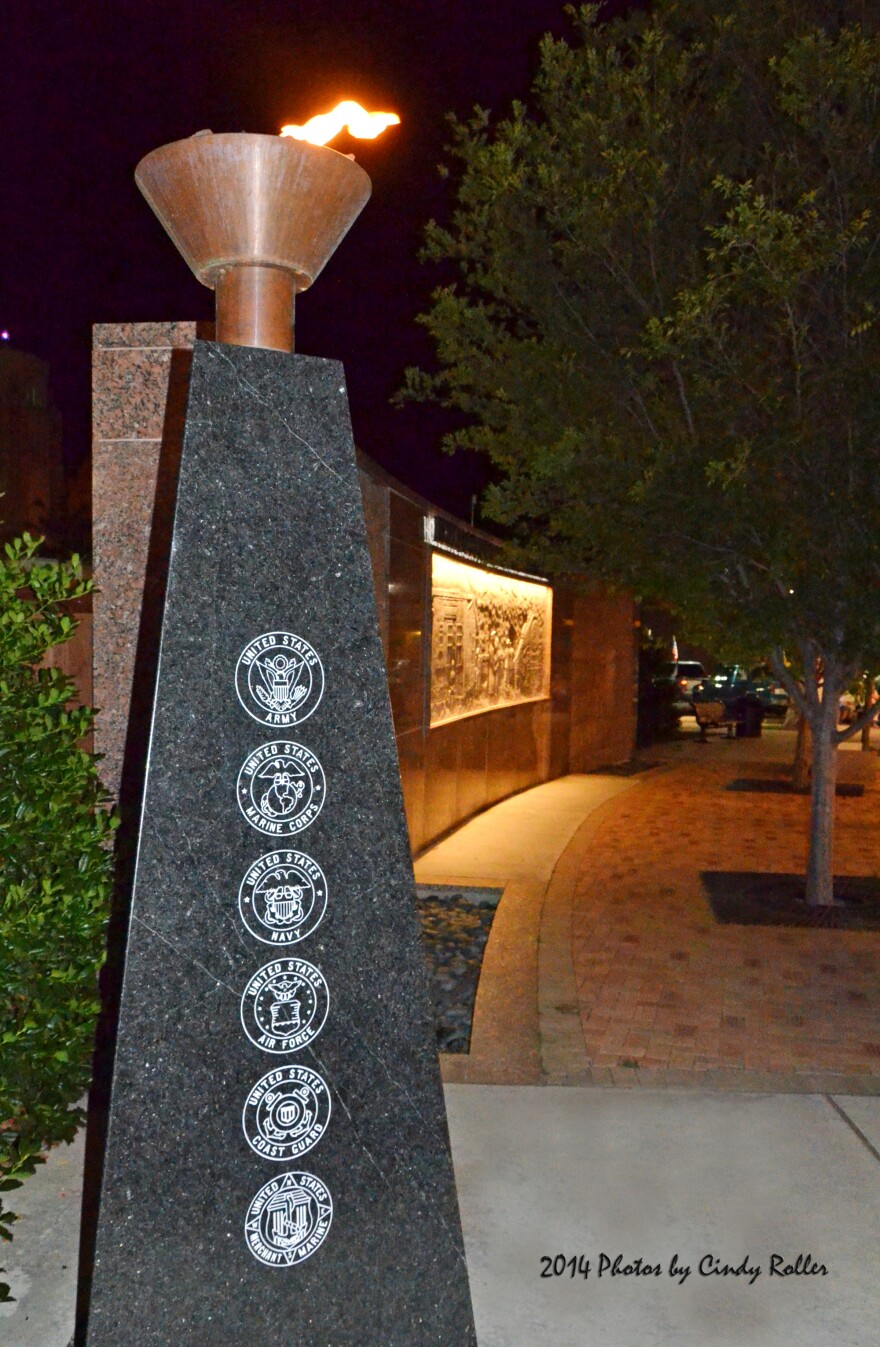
55	870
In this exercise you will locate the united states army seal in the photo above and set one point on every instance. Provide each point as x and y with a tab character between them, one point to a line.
284	1006
281	789
283	897
279	679
288	1219
286	1113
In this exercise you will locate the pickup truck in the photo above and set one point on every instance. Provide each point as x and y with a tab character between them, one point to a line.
735	684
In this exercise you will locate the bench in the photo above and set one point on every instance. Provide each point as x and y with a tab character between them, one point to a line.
714	716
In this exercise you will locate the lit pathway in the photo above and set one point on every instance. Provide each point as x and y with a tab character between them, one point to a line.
515	844
604	964
665	994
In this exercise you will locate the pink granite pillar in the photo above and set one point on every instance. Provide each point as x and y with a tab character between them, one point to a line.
139	377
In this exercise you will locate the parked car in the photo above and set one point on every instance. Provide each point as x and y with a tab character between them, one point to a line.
684	674
771	694
735	681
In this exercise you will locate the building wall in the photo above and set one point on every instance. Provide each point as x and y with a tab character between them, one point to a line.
31	473
604	673
448	772
139	382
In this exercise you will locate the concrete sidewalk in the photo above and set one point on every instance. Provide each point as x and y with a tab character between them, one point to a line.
707	1179
548	1172
732	1178
41	1261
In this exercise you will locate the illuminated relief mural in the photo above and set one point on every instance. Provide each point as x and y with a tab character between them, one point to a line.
490	641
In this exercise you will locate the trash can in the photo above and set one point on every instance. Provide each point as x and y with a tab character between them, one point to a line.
750	722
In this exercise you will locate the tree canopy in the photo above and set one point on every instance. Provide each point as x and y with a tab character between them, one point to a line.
664	331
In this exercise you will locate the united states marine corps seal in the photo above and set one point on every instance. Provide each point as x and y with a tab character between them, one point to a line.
281	789
279	679
288	1219
284	1006
286	1113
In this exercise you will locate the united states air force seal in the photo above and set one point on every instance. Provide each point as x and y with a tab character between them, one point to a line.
283	897
288	1219
286	1113
284	1006
279	679
281	789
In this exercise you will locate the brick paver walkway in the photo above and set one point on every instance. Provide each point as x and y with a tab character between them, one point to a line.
665	992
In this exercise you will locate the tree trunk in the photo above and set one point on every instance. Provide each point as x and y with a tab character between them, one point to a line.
800	772
820	866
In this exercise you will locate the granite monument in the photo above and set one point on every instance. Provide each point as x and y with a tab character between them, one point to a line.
278	1167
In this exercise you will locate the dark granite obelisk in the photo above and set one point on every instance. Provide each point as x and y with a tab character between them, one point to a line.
278	1170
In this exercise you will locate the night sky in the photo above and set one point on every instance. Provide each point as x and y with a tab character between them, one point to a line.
89	88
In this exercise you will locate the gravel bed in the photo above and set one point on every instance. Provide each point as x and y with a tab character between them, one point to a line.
455	927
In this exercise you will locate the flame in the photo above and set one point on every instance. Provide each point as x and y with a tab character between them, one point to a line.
362	124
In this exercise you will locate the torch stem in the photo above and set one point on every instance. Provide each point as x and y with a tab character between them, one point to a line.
255	306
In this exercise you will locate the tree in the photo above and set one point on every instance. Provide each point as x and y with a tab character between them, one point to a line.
55	871
664	330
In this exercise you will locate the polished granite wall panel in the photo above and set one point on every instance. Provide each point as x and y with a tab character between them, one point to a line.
269	537
478	760
603	681
441	780
408	633
131	370
411	757
472	733
535	744
74	657
501	754
408	598
559	729
406	519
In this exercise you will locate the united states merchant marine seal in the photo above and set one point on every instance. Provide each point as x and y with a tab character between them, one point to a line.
288	1219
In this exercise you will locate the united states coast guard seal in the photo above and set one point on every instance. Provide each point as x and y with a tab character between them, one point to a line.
284	1006
283	897
279	679
288	1219
281	789
286	1113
